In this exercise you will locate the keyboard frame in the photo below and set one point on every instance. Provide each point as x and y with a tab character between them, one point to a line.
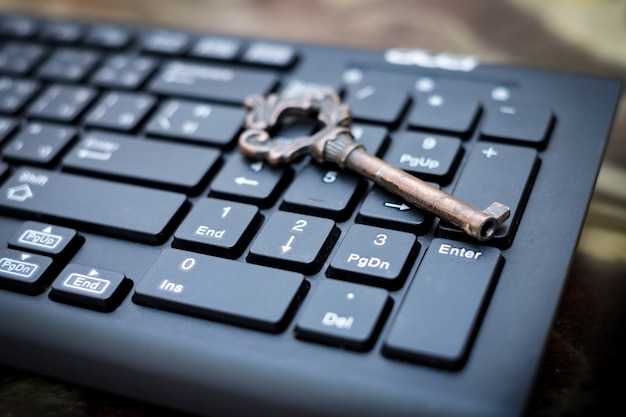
211	368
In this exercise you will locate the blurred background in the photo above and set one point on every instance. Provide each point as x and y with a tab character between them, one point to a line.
583	368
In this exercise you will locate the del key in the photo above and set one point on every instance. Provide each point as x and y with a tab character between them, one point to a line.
334	143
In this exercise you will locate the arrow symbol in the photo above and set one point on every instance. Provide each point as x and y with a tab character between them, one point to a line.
98	156
20	193
246	181
287	247
400	207
93	273
24	256
47	229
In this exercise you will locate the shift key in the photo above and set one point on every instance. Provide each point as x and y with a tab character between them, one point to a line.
120	210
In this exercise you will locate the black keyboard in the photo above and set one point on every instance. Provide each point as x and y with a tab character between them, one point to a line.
142	254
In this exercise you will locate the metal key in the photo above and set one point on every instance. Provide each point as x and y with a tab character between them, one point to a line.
334	143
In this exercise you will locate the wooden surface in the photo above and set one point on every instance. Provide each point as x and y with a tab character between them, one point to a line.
583	368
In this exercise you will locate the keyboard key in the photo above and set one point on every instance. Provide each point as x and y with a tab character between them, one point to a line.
496	172
270	54
430	157
294	241
211	82
85	286
124	71
39	143
19	57
108	36
62	103
323	192
295	87
24	272
120	111
381	208
218	227
171	166
243	294
14	93
167	42
46	239
373	103
344	313
18	26
523	124
114	209
61	32
217	47
374	138
374	256
447	113
67	64
441	311
249	181
196	121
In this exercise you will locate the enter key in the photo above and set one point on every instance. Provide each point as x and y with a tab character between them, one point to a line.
442	310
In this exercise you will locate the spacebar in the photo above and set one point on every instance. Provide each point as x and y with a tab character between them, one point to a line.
105	207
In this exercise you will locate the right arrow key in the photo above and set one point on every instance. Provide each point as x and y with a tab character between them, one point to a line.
381	208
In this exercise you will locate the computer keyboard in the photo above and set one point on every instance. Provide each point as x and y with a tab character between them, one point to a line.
142	254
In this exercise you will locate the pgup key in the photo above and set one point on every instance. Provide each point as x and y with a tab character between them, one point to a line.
334	143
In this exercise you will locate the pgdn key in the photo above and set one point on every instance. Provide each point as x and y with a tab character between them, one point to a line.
374	256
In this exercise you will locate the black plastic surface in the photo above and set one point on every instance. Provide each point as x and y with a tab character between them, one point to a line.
219	369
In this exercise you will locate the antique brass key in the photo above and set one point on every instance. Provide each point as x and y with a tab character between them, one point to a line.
334	143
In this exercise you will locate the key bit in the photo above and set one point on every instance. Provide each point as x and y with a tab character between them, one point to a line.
334	143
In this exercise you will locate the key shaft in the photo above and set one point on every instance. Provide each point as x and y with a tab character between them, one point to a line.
350	155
